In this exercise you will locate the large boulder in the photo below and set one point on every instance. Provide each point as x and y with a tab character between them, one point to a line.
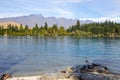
91	72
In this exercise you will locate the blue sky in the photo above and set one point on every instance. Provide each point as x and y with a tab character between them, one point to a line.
75	9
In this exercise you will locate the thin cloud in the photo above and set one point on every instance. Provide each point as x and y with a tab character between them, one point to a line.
68	1
64	13
107	8
71	1
80	9
57	11
103	19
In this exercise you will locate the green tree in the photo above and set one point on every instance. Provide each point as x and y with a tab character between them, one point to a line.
78	24
2	30
62	31
21	29
26	30
46	26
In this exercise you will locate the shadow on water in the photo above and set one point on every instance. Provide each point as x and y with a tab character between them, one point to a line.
9	54
7	62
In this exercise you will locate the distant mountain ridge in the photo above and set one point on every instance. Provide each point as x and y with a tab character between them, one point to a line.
33	19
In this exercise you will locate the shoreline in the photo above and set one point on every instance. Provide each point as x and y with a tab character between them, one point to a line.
47	76
25	78
79	72
63	76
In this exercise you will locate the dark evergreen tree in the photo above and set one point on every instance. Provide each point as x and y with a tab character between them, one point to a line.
78	25
46	26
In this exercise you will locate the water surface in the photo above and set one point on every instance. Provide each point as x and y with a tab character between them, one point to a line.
33	55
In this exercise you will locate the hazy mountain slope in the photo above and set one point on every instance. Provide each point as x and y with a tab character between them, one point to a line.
31	20
5	24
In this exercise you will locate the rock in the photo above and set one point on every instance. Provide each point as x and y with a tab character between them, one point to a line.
62	75
63	71
92	68
79	72
94	64
99	76
91	72
49	77
102	70
90	76
74	77
69	70
5	76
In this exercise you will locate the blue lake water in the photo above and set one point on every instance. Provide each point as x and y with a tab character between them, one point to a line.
35	55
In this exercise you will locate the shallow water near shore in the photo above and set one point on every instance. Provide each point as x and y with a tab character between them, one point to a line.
27	55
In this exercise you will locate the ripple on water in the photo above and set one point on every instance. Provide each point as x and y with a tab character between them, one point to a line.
19	55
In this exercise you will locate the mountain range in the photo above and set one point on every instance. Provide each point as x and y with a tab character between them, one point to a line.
33	19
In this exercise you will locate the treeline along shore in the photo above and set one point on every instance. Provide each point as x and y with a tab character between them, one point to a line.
105	29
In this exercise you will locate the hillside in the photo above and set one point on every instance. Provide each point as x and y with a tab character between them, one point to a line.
5	24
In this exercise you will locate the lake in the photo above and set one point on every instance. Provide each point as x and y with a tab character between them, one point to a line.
22	55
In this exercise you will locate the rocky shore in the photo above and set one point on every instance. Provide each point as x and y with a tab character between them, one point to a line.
79	72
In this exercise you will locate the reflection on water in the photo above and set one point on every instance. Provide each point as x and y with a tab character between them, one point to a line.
28	54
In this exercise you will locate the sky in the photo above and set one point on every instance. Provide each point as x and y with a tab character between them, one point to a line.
97	10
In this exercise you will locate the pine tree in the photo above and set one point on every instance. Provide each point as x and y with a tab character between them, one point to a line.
78	25
46	26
